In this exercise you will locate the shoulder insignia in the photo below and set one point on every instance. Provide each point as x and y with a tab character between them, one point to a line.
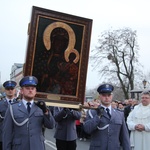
19	104
14	102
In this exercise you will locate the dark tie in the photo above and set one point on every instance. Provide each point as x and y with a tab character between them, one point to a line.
108	112
10	101
28	107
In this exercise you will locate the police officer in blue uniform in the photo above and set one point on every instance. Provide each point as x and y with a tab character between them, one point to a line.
65	133
106	125
10	92
24	120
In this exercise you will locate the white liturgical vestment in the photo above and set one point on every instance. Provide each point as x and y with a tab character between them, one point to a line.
140	115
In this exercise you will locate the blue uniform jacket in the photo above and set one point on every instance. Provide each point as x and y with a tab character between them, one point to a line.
3	107
28	136
106	133
65	124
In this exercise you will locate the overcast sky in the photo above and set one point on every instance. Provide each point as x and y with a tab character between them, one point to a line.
15	16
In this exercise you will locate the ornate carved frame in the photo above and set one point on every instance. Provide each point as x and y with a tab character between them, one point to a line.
61	74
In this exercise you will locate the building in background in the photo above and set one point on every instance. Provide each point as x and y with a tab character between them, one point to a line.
16	73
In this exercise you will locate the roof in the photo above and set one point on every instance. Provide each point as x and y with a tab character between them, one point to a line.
138	91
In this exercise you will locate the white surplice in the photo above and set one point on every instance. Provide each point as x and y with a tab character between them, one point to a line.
140	115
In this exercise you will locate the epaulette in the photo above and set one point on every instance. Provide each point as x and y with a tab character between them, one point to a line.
18	99
120	110
15	102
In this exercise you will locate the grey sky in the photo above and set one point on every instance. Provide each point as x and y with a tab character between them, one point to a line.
15	16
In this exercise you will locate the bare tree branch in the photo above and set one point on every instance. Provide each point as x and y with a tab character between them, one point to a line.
116	57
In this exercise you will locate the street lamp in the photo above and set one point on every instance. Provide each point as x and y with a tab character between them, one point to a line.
144	83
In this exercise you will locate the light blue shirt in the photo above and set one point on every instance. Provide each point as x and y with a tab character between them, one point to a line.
25	103
9	100
107	107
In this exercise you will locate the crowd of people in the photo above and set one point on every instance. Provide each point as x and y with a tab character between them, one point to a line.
110	124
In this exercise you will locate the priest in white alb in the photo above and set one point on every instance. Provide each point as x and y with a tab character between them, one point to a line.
138	122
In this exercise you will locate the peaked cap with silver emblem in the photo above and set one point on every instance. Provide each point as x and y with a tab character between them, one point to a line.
28	81
105	88
9	84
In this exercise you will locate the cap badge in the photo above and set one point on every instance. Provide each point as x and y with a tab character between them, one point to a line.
107	86
30	79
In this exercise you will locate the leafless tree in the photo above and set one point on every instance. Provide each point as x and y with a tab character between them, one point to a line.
116	59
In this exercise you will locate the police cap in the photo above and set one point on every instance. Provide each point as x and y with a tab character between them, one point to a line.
28	81
9	84
105	88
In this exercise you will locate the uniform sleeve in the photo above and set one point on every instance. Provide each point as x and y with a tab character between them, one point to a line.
75	114
91	122
124	135
60	114
49	121
7	131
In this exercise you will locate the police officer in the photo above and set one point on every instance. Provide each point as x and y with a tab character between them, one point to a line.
10	92
106	124
65	133
24	120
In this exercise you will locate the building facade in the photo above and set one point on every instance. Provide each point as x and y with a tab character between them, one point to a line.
16	73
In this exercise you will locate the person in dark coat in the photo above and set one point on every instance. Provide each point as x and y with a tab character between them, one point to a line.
128	108
24	120
10	92
106	125
65	133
